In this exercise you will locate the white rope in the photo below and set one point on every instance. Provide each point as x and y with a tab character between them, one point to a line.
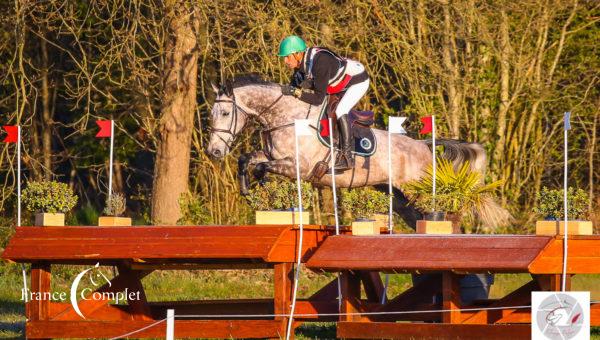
138	330
323	314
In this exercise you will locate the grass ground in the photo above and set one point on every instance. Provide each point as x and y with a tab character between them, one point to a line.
183	285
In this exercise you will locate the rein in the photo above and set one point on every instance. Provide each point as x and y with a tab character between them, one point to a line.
233	124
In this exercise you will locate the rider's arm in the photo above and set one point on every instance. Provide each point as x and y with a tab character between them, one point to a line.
325	65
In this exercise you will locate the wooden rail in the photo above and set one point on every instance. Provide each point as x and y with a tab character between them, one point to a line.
360	260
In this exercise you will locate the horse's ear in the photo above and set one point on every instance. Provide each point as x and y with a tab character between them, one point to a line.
214	87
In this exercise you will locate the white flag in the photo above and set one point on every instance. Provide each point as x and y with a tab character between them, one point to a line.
395	124
302	128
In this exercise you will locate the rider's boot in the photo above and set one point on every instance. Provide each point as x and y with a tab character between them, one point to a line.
345	159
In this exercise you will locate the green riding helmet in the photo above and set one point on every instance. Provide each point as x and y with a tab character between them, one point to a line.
291	44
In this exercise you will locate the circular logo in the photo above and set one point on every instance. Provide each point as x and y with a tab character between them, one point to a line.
366	144
560	316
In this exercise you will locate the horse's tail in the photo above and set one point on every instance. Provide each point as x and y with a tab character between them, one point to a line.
490	212
459	151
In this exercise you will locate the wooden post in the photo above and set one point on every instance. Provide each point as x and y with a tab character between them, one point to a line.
450	297
350	287
283	292
552	282
38	307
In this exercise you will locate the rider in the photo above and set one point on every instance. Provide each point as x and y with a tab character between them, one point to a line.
319	71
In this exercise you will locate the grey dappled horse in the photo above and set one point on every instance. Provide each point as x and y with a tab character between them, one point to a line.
250	98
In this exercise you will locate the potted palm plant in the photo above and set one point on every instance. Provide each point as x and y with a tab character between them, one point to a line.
276	201
550	206
459	193
115	207
49	201
364	204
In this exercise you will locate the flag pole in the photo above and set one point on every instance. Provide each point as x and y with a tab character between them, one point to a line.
333	187
567	126
110	161
19	175
390	207
434	158
335	206
299	256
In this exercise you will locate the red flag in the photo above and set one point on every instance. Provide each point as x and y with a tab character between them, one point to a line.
12	133
427	125
324	128
105	130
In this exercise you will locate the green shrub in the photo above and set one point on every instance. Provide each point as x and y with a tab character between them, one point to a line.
551	203
279	194
193	210
364	202
461	192
115	205
48	197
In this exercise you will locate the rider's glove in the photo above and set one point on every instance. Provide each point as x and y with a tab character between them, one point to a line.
288	90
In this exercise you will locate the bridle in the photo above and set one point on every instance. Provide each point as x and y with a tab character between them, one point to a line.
234	119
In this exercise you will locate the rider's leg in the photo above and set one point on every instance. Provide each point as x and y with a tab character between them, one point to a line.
353	94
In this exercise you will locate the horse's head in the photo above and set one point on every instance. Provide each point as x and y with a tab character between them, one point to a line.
228	118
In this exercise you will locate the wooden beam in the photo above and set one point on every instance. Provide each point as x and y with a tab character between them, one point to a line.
125	279
139	307
282	295
584	256
373	285
421	294
552	282
389	330
223	329
350	288
451	298
39	306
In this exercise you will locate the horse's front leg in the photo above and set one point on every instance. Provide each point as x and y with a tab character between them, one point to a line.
244	161
285	167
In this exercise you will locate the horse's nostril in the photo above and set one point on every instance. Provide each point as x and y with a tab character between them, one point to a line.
216	153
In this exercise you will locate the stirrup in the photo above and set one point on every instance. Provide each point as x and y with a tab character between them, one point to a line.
343	165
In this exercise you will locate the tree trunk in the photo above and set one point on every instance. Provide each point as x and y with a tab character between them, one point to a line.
171	172
46	114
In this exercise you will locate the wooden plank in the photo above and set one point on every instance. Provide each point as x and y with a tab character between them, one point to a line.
388	330
223	329
151	251
143	242
139	308
451	298
285	249
350	289
282	295
428	252
90	306
373	285
519	297
147	231
418	297
583	257
39	307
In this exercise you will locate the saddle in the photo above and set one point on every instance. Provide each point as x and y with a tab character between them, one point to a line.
364	144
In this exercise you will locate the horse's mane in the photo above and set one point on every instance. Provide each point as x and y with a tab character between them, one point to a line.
244	80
